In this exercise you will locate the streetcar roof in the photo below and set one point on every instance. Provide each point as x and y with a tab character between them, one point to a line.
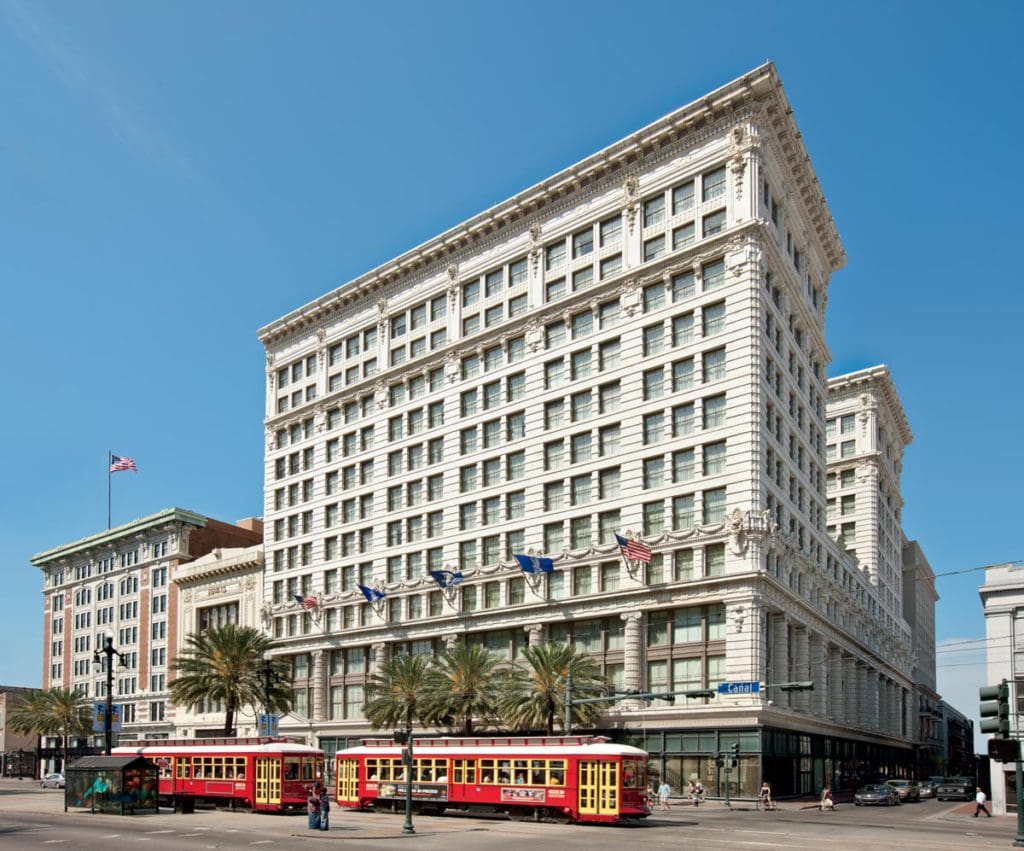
289	748
523	752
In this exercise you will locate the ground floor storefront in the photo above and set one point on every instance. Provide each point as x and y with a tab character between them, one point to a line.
793	763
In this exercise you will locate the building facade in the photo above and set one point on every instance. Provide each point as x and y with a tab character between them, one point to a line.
634	345
119	583
17	750
1002	598
222	587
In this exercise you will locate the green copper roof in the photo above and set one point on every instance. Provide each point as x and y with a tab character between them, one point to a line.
109	536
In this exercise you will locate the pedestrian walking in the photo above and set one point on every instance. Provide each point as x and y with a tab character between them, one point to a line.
826	800
664	790
979	804
325	808
313	808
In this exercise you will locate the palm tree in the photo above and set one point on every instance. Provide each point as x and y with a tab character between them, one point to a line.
533	696
395	695
462	685
54	712
224	663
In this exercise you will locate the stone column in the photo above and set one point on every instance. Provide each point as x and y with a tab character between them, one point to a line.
861	690
819	676
779	637
535	633
633	656
834	701
378	656
319	712
851	705
801	700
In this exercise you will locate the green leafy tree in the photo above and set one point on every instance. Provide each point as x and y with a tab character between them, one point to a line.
533	694
462	686
54	712
225	663
396	695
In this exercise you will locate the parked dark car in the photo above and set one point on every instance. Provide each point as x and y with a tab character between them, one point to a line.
876	793
908	790
956	789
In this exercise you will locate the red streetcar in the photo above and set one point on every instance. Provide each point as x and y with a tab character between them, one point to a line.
566	779
269	775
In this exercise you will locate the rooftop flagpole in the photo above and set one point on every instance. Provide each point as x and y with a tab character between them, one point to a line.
110	460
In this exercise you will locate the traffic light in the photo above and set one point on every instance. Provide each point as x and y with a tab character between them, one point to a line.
667	697
995	710
734	755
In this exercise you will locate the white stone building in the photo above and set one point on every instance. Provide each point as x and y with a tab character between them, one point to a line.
634	344
1002	598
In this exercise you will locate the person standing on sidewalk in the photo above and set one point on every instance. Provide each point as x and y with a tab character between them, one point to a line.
325	808
313	808
664	790
979	804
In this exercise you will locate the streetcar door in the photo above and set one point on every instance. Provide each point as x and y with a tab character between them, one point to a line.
598	787
268	780
348	780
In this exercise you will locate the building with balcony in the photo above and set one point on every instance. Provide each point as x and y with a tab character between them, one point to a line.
634	345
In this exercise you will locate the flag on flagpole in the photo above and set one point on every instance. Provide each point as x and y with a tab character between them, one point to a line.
634	550
119	464
307	603
372	595
446	578
535	564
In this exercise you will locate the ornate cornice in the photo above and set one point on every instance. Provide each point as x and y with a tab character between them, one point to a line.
621	160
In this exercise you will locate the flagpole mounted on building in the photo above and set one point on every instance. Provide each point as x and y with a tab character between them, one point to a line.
110	457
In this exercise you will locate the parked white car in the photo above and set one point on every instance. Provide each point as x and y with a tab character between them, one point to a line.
53	781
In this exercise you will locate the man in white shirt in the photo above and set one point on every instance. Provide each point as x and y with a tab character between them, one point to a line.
979	804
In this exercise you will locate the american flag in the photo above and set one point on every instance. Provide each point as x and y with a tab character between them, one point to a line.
118	464
634	550
306	602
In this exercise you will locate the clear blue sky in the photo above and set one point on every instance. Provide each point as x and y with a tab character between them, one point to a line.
175	175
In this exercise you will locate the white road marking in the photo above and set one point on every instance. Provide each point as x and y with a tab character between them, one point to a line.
54	841
262	842
111	836
190	834
159	831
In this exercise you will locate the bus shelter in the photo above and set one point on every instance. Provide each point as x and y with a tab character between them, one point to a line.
112	784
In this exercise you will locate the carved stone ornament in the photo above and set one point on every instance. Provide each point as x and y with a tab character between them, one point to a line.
270	438
630	298
737	533
380	394
452	370
534	335
631	191
319	419
321	335
382	307
266	614
270	359
535	247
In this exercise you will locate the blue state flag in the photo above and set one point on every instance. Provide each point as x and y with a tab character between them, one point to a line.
446	578
372	595
535	564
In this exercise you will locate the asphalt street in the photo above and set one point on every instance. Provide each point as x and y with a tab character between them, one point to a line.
31	817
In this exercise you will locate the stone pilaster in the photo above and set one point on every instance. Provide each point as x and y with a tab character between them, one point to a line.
779	637
319	712
861	691
819	676
632	660
801	700
535	633
851	703
378	656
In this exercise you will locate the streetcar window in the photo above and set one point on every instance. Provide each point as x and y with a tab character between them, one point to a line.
291	768
464	771
309	769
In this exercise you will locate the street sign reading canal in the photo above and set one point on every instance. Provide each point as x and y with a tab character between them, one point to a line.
739	688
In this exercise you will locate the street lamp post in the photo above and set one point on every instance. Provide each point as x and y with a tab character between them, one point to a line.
110	652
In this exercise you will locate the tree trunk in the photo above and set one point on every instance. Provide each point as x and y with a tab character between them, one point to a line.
229	719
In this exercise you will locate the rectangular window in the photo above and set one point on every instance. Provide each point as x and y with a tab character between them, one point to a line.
654	384
683	286
713	318
713	365
583	243
713	184
714	506
654	427
714	458
611	231
682	420
654	248
682	198
653	339
654	211
682	236
683	468
554	290
714	411
611	266
682	512
713	275
713	223
609	354
554	256
654	473
682	375
714	564
518	273
654	518
608	397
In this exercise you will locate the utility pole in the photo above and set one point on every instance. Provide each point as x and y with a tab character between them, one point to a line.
109	651
404	738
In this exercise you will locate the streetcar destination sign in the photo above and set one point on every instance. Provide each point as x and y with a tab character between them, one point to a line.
739	688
